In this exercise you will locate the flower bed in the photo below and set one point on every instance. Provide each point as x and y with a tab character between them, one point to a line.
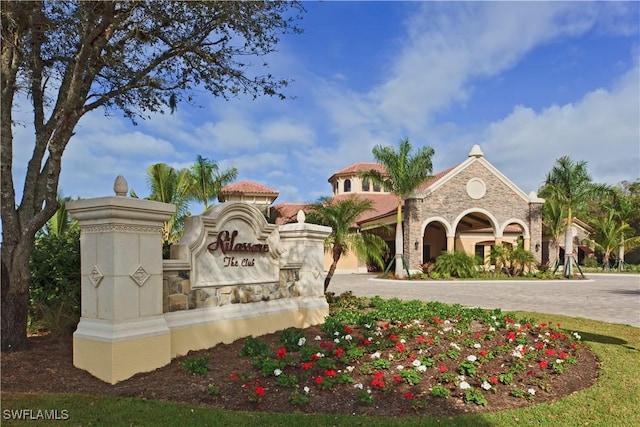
410	357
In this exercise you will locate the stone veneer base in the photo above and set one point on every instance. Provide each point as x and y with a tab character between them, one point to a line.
116	350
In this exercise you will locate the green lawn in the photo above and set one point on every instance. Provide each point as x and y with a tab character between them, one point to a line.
613	401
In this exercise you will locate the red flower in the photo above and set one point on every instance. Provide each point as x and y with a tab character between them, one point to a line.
543	365
420	339
259	391
550	352
412	357
282	352
397	379
318	380
408	395
307	366
315	357
443	369
563	355
539	345
400	347
483	353
511	336
574	346
493	380
378	375
430	341
393	337
339	352
330	372
234	376
478	335
347	330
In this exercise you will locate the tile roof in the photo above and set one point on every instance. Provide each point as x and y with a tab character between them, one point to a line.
287	212
248	187
432	180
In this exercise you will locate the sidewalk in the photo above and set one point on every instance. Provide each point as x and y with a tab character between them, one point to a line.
613	298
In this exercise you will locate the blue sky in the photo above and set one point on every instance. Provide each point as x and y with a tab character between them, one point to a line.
528	82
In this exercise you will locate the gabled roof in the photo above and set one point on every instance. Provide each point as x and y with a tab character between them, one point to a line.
474	156
248	187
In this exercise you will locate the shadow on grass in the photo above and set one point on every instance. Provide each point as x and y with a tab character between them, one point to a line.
605	339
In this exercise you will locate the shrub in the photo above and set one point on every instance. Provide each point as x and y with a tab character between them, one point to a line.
254	347
197	365
54	290
457	264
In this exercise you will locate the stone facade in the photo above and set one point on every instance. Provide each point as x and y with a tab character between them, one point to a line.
474	187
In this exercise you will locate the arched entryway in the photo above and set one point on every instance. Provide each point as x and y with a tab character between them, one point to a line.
434	239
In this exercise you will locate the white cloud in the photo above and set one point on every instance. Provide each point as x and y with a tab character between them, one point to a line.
602	128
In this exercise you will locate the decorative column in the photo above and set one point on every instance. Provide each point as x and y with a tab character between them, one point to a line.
451	244
122	330
535	223
303	246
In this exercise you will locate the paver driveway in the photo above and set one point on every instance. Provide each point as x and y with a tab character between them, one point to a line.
608	297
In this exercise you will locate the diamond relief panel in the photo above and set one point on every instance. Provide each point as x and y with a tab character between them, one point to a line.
96	276
140	275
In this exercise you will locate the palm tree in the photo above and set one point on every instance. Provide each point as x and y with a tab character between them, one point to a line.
569	184
169	185
554	216
61	223
612	234
208	180
625	208
404	174
341	216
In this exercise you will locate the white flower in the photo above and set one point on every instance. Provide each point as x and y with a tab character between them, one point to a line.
416	363
358	385
337	340
277	372
492	329
348	337
486	385
559	360
302	341
447	329
493	317
320	354
471	358
391	356
446	322
576	335
461	377
403	341
369	390
306	389
376	355
350	368
368	326
476	345
421	368
336	333
532	392
454	345
317	338
516	325
399	367
517	354
464	385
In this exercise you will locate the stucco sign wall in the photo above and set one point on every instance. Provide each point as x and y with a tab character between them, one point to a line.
232	244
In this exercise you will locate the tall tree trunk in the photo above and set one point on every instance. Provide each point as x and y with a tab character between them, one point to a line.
621	255
337	253
399	242
15	294
568	247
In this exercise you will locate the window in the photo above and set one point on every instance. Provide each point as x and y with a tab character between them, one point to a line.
365	185
376	188
479	252
347	186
